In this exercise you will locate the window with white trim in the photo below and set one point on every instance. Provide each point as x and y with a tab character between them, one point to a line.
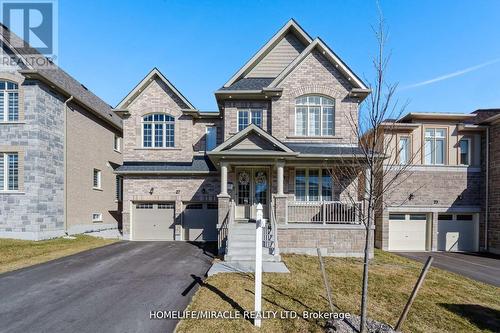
9	171
313	185
96	179
9	101
314	116
435	146
158	131
404	150
96	217
117	143
465	149
249	116
210	138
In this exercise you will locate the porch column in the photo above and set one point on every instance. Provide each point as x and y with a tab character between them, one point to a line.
223	178
280	166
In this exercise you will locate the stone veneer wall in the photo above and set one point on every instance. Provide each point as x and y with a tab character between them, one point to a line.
36	212
494	190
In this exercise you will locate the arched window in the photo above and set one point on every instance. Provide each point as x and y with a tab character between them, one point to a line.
9	101
314	116
158	131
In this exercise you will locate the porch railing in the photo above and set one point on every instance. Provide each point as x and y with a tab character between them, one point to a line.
269	236
223	229
324	212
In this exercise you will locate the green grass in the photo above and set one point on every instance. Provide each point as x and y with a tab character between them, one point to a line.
446	303
15	254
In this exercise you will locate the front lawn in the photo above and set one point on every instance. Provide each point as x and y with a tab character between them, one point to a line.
15	254
446	303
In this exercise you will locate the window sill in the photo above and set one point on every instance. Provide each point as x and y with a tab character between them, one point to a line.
12	122
97	189
11	192
153	148
97	221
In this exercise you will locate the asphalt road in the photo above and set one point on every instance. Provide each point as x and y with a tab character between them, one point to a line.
480	267
109	289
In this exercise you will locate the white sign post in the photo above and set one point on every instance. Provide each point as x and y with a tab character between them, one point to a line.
260	223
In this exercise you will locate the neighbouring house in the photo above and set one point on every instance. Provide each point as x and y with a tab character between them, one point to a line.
281	127
59	145
441	202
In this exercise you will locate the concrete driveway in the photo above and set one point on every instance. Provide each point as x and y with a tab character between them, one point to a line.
109	289
477	266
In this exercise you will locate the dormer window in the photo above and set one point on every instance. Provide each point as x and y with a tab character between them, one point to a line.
9	101
158	131
314	116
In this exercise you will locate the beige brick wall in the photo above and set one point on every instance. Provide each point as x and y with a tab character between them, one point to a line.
315	75
338	242
89	146
157	97
173	188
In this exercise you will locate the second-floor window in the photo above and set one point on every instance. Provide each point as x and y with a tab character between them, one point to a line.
247	117
158	131
404	150
117	143
435	143
464	145
314	116
9	101
9	171
96	179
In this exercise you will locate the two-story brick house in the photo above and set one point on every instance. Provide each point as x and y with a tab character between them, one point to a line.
59	145
282	125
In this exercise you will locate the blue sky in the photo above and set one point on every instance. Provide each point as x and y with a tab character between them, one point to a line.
445	54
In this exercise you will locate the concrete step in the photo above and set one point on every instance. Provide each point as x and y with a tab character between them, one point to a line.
245	250
241	243
249	258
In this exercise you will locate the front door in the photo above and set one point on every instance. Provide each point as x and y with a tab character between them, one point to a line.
252	188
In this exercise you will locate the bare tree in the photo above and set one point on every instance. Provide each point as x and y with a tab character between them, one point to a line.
375	169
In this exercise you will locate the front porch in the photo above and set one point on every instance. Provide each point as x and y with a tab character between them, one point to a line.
310	200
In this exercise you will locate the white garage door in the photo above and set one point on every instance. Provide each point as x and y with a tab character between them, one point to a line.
407	232
456	232
200	221
153	221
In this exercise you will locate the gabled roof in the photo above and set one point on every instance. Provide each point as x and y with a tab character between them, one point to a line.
142	85
289	26
329	55
39	67
252	128
250	83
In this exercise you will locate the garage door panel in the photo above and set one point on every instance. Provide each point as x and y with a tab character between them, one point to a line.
456	235
200	221
153	221
407	232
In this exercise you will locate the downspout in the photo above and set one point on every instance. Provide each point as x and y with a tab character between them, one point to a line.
487	197
65	156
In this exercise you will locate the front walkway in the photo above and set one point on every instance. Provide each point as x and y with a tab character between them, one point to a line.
476	266
109	289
